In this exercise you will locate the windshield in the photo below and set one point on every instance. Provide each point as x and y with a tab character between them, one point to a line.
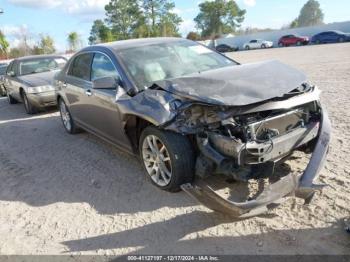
151	63
41	65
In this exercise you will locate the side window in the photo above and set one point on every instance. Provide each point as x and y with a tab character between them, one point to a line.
102	67
10	68
80	67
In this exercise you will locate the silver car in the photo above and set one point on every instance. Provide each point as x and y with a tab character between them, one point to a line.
30	80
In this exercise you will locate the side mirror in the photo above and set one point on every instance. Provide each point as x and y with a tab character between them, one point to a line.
106	83
11	74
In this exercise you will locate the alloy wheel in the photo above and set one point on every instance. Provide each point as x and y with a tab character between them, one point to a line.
65	115
157	160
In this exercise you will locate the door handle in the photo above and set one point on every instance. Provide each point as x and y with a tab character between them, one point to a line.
88	92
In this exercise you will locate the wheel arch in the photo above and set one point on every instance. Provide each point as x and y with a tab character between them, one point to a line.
133	127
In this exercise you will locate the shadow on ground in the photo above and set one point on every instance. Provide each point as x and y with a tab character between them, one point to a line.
167	237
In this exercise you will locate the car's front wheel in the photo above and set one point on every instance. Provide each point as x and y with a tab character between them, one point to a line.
341	40
30	109
10	99
167	157
67	120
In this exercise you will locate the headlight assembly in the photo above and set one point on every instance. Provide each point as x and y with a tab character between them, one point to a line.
40	89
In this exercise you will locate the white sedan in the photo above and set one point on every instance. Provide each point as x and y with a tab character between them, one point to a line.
257	44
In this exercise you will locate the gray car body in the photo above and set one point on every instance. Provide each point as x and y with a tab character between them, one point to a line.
15	84
116	115
108	113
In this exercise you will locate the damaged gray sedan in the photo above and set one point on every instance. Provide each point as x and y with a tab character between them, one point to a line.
190	113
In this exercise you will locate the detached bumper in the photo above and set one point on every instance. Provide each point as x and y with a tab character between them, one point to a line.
43	99
290	185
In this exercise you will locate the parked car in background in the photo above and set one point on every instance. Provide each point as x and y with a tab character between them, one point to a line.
330	37
3	67
289	40
257	44
224	48
186	110
30	80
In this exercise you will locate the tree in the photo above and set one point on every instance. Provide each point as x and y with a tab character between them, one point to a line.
100	33
219	17
193	36
311	14
46	45
169	22
160	18
73	41
4	45
294	23
123	16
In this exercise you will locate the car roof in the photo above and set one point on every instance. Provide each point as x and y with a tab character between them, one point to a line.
31	57
126	44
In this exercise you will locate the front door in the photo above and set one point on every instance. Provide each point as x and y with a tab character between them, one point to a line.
101	112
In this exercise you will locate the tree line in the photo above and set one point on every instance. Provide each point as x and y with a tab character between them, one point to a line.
126	19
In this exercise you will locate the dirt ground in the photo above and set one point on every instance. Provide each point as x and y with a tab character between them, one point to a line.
62	194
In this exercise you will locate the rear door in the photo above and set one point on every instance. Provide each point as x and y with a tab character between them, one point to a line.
77	85
11	82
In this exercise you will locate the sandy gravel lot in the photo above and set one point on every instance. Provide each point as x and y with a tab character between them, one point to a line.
62	194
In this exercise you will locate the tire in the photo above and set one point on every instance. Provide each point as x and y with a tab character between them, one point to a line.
247	47
11	100
263	46
280	45
30	109
318	42
341	40
171	161
67	120
299	43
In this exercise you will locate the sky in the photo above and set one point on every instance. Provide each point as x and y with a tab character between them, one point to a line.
59	17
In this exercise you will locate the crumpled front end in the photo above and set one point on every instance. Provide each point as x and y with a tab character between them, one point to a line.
247	143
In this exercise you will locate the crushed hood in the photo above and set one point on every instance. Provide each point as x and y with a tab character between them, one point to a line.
39	79
237	85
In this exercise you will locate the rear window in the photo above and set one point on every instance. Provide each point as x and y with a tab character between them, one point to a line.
40	65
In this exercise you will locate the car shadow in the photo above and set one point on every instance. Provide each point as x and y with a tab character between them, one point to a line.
166	237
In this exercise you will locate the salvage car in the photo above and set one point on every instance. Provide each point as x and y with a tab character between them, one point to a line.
30	80
289	40
190	113
330	37
257	44
3	67
224	48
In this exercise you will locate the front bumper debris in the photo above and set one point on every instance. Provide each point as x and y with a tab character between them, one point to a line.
290	185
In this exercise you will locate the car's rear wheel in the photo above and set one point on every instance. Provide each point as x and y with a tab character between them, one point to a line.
247	47
67	120
167	157
280	44
30	109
